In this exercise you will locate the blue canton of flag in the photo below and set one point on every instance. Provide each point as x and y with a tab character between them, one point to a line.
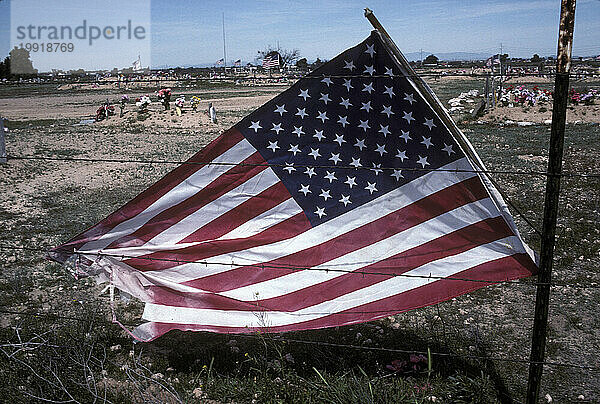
350	132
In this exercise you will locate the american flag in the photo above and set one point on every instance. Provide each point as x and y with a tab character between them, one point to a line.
237	63
342	200
271	60
219	62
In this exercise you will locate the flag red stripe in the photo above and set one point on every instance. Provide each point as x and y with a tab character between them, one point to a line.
420	211
483	232
286	229
267	199
503	269
220	186
217	147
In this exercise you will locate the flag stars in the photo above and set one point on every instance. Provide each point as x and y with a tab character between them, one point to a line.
301	113
422	161
255	125
351	181
315	153
388	111
298	131
370	49
380	149
369	69
320	212
356	162
366	106
389	71
304	94
335	157
409	97
343	120
427	142
397	175
364	125
322	116
289	167
305	189
348	84
406	136
448	149
310	171
327	81
319	134
277	128
346	102
273	146
349	65
280	109
385	130
345	200
376	169
401	155
360	143
429	123
330	176
408	116
325	98
294	149
368	88
389	91
339	139
371	187
325	194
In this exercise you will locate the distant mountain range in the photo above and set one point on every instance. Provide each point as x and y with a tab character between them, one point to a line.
448	56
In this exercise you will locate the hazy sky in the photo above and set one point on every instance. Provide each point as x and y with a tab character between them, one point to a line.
187	32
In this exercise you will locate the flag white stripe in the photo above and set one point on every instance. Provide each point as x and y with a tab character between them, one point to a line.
271	217
381	250
212	210
179	193
444	267
277	214
373	210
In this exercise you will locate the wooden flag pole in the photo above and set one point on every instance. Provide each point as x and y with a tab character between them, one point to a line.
557	135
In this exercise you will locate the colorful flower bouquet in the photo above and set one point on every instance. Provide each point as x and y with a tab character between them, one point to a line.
521	95
142	103
195	100
104	111
582	98
164	95
179	104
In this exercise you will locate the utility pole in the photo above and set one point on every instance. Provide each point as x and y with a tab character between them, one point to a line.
421	57
557	135
224	51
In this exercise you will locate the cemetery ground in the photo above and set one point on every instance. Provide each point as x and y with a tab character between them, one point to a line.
57	341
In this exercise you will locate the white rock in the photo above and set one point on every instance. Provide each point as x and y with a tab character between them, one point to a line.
525	123
548	122
548	398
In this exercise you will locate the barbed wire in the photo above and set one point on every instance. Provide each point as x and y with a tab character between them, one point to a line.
301	268
158	80
344	346
209	163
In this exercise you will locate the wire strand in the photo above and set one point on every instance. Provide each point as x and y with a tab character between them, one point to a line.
299	268
171	162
